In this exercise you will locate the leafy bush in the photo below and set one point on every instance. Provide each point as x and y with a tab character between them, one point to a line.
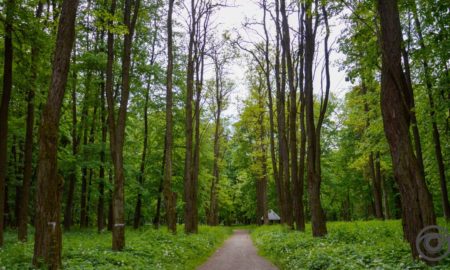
348	245
145	249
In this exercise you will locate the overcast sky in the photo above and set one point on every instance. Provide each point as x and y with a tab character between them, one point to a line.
231	19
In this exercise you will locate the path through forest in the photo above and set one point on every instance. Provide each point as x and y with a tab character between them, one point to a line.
237	253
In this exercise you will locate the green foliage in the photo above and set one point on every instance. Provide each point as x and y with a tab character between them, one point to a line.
146	249
348	245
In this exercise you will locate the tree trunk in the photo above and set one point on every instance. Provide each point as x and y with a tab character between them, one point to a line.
417	206
84	168
117	129
313	160
300	215
4	107
199	71
213	212
91	171
376	185
261	182
280	78
68	214
189	187
137	211
297	186
101	184
271	117
28	162
48	244
414	124
169	195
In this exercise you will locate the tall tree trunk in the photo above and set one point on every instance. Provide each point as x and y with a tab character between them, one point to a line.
282	148
137	211
213	212
300	215
28	162
84	170
117	129
436	135
383	191
4	106
372	174
189	187
101	184
199	70
417	206
68	214
271	117
261	186
376	186
313	136
297	198
169	195
414	124
48	244
91	170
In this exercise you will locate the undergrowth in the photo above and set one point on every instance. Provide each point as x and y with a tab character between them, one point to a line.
348	245
146	248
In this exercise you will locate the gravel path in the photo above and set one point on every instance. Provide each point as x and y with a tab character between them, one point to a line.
237	253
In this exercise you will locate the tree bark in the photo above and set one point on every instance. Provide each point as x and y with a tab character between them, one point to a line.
271	110
376	185
417	206
91	170
101	184
313	133
137	211
414	124
169	195
117	129
213	212
75	141
297	192
283	162
28	162
300	217
4	107
261	182
48	244
189	187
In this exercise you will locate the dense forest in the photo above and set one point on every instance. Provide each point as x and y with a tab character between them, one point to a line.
124	114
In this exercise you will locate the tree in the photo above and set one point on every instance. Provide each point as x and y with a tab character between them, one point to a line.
312	130
417	206
219	95
169	195
4	107
47	244
117	129
27	169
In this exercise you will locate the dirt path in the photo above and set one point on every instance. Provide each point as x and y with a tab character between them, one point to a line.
237	253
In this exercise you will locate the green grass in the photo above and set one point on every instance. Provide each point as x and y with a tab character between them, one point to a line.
348	245
145	249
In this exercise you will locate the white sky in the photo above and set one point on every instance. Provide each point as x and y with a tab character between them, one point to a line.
231	19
